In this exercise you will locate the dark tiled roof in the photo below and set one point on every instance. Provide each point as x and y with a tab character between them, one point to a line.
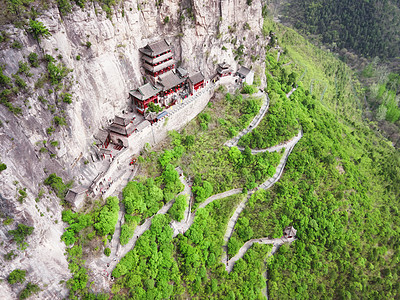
182	72
74	192
224	65
151	60
290	231
118	129
101	135
121	121
122	129
224	68
156	48
196	78
145	92
159	67
244	71
170	80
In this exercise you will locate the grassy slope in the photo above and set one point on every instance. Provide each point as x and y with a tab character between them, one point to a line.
335	191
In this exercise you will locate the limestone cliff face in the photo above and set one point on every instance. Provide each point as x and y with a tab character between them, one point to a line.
203	33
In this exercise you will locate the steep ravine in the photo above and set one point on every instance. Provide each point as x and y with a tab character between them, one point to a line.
101	80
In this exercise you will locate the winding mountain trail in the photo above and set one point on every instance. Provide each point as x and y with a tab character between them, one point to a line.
186	223
265	185
276	242
254	123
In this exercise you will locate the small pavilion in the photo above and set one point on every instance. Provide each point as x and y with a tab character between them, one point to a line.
224	69
289	232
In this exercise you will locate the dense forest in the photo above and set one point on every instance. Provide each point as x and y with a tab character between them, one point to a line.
369	28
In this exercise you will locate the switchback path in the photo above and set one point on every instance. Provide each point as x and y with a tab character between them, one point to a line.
274	148
265	185
276	242
184	225
254	123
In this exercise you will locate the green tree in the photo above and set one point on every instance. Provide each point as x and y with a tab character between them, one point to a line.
108	217
38	30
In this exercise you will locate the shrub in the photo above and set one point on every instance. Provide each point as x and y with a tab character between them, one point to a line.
67	98
50	130
8	221
107	251
24	69
42	99
43	150
56	72
88	44
65	6
108	217
38	30
178	208
57	184
49	58
33	59
19	81
154	107
248	89
16	276
2	167
78	57
22	196
16	45
29	290
59	121
166	19
54	143
21	233
233	246
10	255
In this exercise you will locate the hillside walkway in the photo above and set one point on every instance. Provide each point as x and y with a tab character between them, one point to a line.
265	185
276	242
254	123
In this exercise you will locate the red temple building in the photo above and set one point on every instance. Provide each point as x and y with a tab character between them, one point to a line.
170	83
142	96
157	58
196	82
